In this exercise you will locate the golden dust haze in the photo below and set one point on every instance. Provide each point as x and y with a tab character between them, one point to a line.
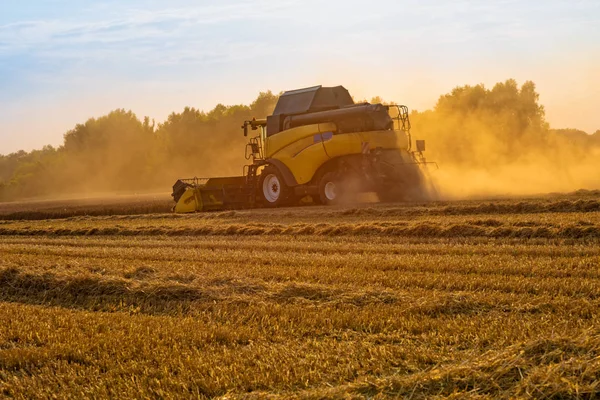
496	142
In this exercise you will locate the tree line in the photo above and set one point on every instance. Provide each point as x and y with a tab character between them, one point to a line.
119	152
472	126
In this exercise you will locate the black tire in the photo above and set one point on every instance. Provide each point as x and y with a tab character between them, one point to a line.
272	190
330	189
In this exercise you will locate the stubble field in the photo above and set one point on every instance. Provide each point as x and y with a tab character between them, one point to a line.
479	299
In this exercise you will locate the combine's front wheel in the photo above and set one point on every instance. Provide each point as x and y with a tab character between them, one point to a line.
271	188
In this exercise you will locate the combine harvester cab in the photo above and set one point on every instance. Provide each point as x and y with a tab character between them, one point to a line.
317	143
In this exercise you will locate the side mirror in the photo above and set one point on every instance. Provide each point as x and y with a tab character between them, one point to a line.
245	127
420	145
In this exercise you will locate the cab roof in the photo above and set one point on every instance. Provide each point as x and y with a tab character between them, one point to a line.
312	99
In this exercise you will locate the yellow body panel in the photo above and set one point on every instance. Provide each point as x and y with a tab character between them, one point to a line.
286	138
189	202
304	149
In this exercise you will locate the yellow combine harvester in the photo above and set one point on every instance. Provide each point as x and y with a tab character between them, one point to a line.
317	143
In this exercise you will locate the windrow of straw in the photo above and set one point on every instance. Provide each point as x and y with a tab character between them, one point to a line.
398	229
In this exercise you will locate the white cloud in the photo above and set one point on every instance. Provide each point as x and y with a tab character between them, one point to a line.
182	24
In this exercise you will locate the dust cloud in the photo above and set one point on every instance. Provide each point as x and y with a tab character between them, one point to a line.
496	142
454	182
552	165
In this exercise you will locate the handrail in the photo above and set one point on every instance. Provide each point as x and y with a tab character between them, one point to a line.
403	121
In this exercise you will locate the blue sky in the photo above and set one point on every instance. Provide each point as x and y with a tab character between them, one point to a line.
63	61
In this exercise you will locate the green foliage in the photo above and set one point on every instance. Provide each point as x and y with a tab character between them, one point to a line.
194	142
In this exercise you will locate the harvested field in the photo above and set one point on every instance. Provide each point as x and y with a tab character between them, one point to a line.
477	299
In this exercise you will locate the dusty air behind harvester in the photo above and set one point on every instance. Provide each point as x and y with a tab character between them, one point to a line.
317	143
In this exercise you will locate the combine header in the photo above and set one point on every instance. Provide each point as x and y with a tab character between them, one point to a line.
317	143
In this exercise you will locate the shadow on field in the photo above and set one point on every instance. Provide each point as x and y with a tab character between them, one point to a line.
94	211
111	295
97	294
136	294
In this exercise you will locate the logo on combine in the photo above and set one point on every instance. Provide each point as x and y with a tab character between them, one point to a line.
366	148
322	137
189	200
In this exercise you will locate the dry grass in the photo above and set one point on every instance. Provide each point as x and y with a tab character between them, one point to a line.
449	300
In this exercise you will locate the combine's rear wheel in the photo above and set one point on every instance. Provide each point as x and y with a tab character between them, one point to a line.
330	189
272	190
